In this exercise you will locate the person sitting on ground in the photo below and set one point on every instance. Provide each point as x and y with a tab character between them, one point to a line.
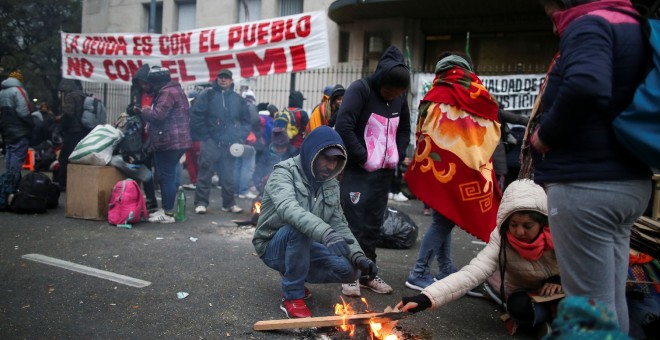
518	260
302	232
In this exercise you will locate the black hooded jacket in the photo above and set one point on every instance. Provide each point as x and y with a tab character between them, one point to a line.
136	89
72	106
363	105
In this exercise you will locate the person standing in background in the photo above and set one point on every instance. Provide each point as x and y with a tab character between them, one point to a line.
219	119
374	123
169	137
17	123
71	125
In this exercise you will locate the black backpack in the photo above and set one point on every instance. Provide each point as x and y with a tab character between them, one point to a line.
8	186
131	146
36	193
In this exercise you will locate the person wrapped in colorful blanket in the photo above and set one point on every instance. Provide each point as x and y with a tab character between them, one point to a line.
457	133
519	260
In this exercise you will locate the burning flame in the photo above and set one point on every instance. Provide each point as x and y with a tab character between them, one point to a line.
344	309
256	208
378	330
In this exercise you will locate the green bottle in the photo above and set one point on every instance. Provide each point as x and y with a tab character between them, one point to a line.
180	205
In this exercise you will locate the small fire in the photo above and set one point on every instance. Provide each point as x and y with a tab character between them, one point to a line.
256	208
344	309
379	331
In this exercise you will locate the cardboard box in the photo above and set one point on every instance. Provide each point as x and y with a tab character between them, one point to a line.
88	189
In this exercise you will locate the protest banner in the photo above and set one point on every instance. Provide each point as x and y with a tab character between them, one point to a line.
514	92
278	45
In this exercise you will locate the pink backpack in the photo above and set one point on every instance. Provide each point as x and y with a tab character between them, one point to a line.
127	204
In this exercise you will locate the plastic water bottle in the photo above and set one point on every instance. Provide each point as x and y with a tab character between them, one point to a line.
180	205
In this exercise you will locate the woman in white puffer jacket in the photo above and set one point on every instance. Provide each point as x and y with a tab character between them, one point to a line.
520	253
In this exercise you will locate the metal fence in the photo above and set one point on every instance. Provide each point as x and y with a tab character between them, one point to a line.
275	89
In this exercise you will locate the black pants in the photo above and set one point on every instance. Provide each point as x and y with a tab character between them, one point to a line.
364	200
69	142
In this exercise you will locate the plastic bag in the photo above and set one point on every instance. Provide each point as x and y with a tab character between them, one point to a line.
96	148
398	230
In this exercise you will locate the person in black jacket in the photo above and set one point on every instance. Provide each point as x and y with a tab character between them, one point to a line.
219	118
374	123
72	129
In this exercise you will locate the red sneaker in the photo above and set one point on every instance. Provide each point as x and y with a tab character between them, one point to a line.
295	308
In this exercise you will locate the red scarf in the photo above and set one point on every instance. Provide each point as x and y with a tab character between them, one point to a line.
532	251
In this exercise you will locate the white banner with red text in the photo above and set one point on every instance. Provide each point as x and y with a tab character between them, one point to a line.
513	92
279	45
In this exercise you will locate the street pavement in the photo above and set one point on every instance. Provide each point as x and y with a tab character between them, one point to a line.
208	257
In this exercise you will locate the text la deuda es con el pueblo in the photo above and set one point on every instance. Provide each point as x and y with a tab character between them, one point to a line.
279	45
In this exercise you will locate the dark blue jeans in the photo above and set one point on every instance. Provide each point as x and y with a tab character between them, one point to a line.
300	259
168	175
16	153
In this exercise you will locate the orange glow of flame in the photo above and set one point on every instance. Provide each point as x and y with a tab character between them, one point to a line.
344	309
256	209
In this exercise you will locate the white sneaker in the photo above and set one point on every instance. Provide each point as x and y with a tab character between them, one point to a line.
200	209
249	195
378	286
400	197
350	289
157	212
390	196
161	218
234	208
189	186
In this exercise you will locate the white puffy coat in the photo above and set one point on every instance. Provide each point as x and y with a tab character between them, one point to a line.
520	273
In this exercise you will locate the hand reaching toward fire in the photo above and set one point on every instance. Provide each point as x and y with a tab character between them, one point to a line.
367	267
414	304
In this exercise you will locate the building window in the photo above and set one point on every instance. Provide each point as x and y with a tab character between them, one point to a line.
158	24
249	10
187	19
343	46
290	7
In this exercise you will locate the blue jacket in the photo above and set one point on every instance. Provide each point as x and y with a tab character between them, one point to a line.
15	119
602	59
221	115
388	122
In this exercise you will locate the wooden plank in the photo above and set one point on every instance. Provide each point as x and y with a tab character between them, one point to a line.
322	321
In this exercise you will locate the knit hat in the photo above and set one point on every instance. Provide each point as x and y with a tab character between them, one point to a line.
17	75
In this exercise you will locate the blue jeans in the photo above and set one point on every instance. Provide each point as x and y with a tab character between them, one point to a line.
16	153
168	176
243	170
300	259
590	224
436	243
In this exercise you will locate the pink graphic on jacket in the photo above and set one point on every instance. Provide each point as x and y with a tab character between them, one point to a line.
380	139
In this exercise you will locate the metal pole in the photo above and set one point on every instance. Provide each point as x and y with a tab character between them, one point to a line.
152	17
292	84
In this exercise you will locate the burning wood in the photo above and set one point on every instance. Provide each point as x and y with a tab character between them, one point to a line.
381	325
